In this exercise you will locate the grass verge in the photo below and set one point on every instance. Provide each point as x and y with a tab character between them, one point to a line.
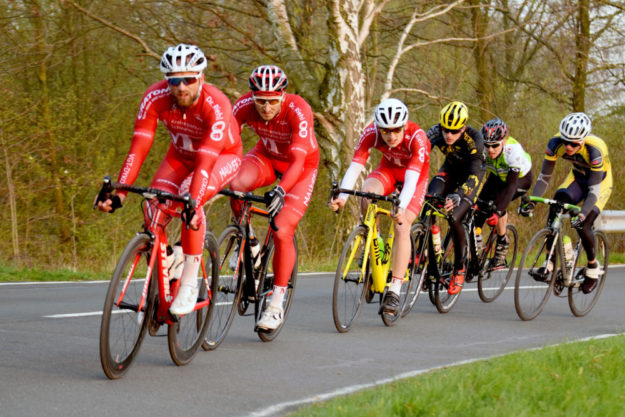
575	379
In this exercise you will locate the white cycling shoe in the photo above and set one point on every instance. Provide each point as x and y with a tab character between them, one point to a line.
185	300
271	319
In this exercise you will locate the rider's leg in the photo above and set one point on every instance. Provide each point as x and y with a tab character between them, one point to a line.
256	171
224	170
296	202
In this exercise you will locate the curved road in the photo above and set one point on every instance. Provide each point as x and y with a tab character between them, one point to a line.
50	361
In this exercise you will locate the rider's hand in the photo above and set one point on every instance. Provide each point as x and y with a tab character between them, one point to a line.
452	201
492	220
336	204
433	132
112	203
577	222
527	209
276	199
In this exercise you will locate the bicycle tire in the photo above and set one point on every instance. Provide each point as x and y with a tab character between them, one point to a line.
229	290
349	291
445	301
419	241
265	285
530	291
123	326
491	283
580	303
186	335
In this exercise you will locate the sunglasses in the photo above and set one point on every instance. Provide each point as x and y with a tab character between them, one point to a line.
263	101
492	145
452	131
393	130
572	144
175	81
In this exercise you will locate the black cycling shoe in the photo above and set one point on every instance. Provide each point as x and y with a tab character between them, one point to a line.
589	285
390	305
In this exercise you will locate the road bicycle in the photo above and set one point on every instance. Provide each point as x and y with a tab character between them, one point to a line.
491	278
364	267
429	260
246	272
141	290
439	266
534	284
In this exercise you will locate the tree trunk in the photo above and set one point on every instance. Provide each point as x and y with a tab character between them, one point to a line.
582	49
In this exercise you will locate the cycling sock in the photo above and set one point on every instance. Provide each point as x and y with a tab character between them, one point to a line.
277	296
189	272
396	284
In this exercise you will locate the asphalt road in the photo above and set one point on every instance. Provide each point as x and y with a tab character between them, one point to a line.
50	362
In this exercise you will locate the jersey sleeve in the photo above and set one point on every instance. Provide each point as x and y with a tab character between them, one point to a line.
303	142
143	135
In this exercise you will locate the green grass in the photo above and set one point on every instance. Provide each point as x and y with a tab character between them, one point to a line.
9	273
576	379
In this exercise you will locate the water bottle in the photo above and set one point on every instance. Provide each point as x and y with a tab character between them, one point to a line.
478	239
255	249
568	252
436	239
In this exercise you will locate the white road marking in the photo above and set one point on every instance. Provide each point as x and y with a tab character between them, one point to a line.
281	407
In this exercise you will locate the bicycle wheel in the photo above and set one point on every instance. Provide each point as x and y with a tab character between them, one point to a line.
445	301
265	286
581	303
185	336
229	289
419	260
123	323
350	284
531	288
492	281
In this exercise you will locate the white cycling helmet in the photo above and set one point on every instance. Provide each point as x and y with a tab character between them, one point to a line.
268	78
575	127
391	113
183	58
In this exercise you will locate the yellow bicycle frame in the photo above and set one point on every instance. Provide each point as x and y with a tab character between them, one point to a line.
380	264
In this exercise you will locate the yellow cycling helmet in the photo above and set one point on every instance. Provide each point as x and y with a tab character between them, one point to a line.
454	115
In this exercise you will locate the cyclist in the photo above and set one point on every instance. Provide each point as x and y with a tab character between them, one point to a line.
204	154
509	177
287	151
460	177
405	164
590	180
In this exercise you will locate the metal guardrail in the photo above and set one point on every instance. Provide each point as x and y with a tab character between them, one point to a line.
611	221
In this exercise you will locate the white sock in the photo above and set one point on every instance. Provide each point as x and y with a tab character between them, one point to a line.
189	272
277	296
396	284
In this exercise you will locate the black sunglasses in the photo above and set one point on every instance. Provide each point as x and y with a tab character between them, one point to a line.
492	145
572	144
452	131
175	81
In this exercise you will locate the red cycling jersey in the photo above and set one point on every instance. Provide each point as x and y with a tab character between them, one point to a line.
287	146
199	134
288	139
204	155
412	154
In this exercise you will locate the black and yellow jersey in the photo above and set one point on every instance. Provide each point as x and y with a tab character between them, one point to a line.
593	156
591	170
463	159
